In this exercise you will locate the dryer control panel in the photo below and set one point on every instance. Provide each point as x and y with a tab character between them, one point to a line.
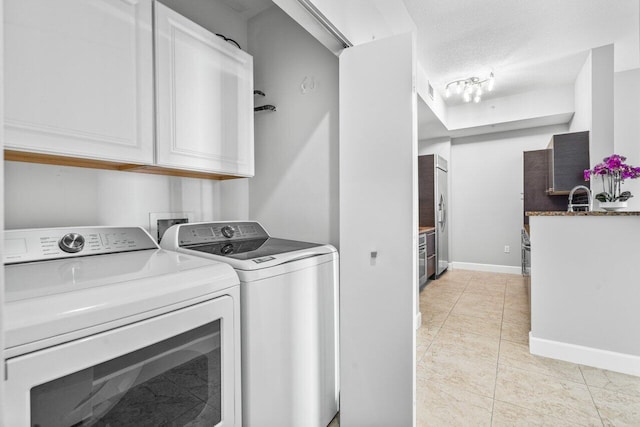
40	244
213	232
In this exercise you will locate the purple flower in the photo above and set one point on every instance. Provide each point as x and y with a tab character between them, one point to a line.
600	169
614	161
615	171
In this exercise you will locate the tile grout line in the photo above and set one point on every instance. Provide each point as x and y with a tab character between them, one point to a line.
495	385
535	411
462	292
591	395
440	327
542	374
443	322
437	333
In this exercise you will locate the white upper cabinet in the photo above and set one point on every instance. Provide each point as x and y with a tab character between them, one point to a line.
79	78
204	96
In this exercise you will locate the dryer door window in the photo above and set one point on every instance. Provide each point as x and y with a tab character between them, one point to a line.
175	382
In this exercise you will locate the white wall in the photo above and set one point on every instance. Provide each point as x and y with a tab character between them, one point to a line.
52	196
436	105
486	197
627	126
581	120
594	102
378	213
523	106
439	146
601	143
294	193
584	303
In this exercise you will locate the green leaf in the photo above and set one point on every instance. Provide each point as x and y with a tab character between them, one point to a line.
603	197
624	196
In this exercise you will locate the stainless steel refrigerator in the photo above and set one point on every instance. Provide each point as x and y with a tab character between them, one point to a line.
434	205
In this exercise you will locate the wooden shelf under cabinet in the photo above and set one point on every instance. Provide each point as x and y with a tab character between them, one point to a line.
51	159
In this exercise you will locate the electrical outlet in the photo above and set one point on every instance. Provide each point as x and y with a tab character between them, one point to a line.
507	249
160	221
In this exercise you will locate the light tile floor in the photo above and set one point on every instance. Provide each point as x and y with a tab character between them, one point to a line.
474	367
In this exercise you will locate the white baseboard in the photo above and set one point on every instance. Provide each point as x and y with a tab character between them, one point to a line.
418	320
603	359
493	268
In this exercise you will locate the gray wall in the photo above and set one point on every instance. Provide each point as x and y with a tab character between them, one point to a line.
294	193
485	194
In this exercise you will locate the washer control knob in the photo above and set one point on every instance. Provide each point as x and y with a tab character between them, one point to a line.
227	231
71	243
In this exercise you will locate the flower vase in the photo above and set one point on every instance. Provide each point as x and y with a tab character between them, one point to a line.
613	206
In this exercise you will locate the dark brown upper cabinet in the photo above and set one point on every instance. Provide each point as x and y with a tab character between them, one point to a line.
535	196
568	158
426	191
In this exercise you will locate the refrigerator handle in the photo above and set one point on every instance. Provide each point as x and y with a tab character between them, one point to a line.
442	217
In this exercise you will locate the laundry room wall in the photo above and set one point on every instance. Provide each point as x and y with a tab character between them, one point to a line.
55	196
294	193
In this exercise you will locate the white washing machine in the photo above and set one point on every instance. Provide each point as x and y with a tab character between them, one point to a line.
103	327
289	301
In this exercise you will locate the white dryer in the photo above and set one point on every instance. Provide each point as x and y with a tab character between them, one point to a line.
105	328
289	311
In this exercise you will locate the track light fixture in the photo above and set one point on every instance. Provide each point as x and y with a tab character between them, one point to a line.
470	88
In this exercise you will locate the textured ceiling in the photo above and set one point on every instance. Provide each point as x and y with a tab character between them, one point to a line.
527	44
248	8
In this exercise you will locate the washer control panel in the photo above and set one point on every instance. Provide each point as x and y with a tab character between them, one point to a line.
53	243
214	232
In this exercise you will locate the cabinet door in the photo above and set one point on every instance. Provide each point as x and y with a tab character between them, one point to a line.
535	171
426	188
569	159
78	78
204	92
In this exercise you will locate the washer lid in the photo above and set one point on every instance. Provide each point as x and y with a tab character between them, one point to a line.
252	249
245	245
40	279
273	252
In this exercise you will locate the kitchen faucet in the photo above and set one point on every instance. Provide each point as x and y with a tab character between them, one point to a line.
589	205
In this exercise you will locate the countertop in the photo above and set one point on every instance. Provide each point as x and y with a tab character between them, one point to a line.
592	213
425	229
